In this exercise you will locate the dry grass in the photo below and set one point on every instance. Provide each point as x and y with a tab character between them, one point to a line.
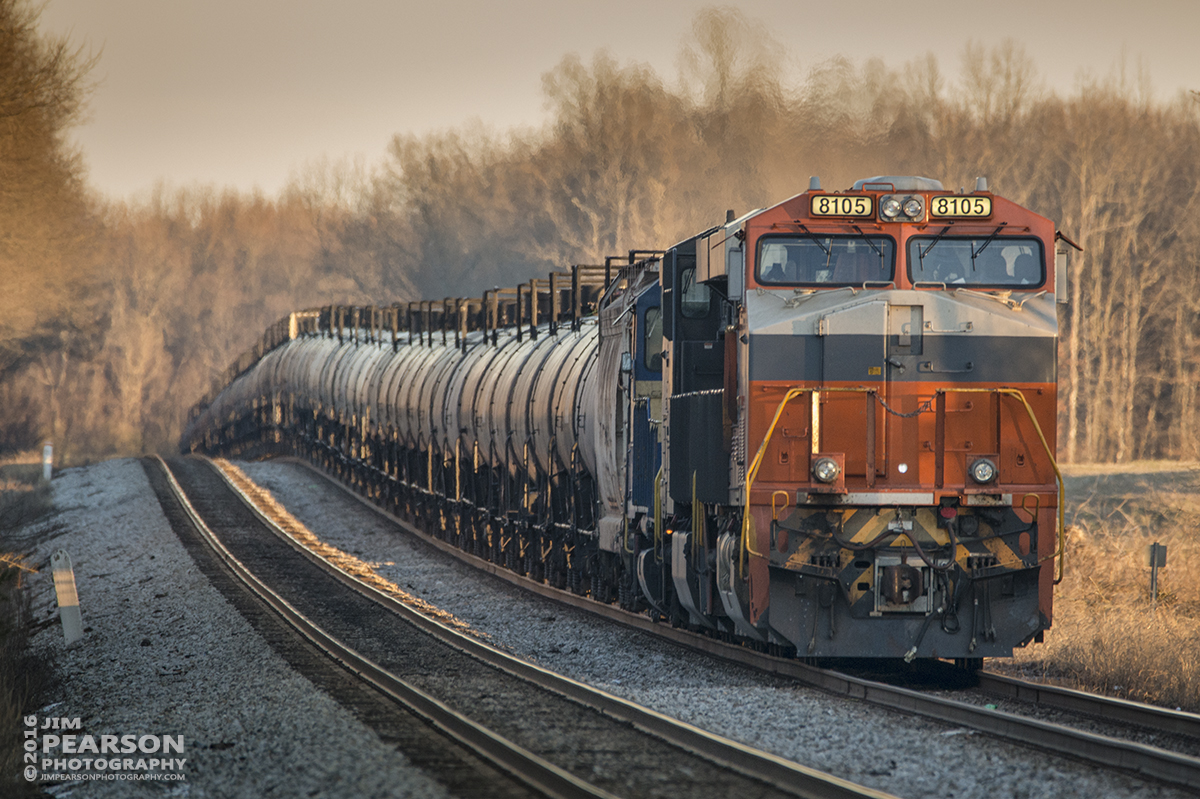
23	677
22	504
1108	636
24	495
21	467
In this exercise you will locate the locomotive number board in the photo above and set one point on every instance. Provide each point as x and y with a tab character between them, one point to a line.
841	205
960	206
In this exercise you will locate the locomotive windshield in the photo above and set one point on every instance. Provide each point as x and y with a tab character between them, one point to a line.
985	261
825	260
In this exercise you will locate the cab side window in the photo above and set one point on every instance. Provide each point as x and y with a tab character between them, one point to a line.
652	341
695	297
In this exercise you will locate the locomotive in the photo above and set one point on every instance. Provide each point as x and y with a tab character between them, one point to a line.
825	429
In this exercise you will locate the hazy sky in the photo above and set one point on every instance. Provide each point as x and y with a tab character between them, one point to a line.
243	92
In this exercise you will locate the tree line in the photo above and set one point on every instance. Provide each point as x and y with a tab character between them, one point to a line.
117	314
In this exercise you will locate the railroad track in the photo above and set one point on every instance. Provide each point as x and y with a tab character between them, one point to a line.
553	736
1180	768
1159	719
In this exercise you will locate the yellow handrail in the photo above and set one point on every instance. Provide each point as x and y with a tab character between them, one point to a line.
658	556
753	470
775	511
1061	553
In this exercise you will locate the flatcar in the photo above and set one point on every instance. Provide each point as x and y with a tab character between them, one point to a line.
825	429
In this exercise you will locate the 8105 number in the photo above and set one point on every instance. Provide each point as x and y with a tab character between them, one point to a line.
837	205
957	205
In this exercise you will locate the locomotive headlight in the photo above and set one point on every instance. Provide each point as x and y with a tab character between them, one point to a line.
913	207
890	207
983	471
825	470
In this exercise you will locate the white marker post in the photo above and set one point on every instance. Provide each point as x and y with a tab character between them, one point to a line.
68	599
47	461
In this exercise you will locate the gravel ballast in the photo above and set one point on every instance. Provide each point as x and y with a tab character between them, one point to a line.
165	654
898	753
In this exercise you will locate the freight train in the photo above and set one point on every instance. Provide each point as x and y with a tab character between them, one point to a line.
825	429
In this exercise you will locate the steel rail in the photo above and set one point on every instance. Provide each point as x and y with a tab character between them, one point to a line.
1148	761
1160	719
528	768
782	774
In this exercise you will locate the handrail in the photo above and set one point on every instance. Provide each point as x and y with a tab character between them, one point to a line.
774	510
1060	553
753	470
658	548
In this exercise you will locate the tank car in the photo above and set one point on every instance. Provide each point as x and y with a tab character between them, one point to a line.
826	428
